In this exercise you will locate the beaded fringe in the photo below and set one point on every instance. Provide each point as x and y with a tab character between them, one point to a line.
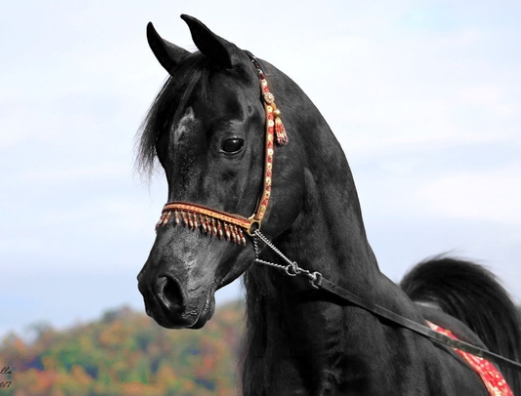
208	225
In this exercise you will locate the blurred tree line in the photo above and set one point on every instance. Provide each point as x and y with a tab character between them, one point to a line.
126	353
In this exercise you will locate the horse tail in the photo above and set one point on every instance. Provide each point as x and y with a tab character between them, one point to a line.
472	294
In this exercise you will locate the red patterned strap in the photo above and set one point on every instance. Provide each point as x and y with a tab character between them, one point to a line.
274	126
489	374
209	221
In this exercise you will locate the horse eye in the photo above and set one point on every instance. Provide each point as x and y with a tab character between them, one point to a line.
232	146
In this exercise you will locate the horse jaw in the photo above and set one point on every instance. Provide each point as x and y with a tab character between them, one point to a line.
178	283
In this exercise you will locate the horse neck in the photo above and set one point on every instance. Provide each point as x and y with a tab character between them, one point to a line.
329	234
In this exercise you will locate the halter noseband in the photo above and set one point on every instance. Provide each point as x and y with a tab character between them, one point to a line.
226	225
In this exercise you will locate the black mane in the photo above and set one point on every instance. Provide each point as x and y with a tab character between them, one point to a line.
194	71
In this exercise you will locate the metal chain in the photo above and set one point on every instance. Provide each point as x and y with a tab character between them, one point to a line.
292	269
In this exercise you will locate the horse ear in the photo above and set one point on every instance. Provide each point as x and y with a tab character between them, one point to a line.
168	54
214	47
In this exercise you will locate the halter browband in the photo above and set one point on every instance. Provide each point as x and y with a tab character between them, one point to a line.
225	225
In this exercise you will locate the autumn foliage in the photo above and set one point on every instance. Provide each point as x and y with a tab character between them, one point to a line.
127	353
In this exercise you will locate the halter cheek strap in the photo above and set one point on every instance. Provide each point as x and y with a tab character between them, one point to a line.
225	225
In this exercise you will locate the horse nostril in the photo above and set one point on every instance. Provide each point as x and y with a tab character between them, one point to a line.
170	294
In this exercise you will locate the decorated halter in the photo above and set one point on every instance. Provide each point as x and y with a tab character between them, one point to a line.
225	225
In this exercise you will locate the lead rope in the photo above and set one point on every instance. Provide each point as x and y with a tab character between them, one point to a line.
319	282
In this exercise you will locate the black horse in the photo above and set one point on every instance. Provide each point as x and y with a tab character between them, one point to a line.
207	127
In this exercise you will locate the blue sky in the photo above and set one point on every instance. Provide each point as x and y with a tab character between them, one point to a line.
425	98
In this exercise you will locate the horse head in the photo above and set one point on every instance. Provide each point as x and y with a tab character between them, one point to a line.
207	128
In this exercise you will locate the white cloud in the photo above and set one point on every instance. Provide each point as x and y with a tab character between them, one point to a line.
489	98
486	196
64	175
480	95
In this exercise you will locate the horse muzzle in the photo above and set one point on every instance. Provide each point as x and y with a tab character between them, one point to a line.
173	306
